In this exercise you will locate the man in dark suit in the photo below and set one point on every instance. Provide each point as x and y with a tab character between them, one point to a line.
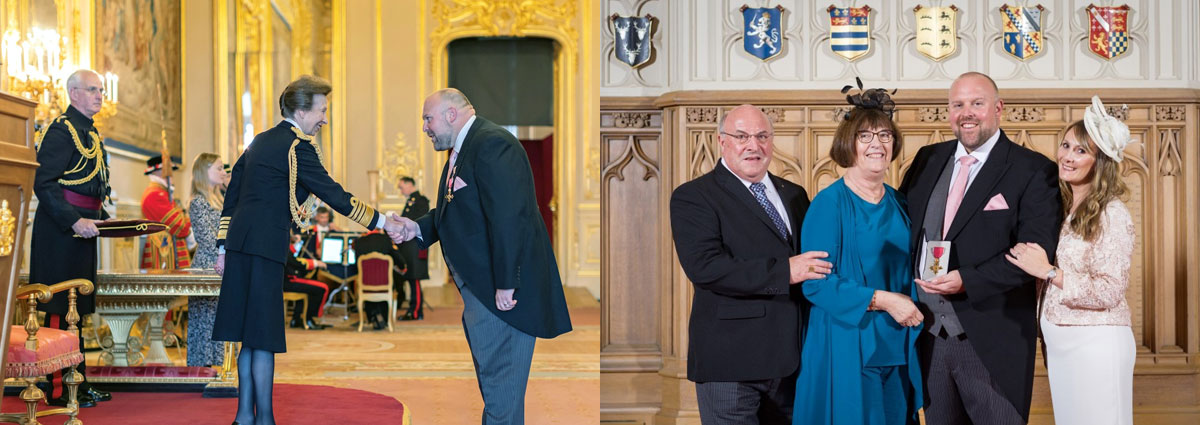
71	181
418	269
983	194
736	230
496	247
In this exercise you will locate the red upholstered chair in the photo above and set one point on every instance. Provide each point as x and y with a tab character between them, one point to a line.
375	284
34	351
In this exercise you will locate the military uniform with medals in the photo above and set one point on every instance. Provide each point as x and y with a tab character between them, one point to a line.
71	182
275	186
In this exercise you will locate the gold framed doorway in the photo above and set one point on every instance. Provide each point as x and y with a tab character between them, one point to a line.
550	19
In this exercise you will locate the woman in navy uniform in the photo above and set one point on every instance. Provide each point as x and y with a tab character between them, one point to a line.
275	186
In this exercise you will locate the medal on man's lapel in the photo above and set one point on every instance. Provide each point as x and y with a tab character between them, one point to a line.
450	183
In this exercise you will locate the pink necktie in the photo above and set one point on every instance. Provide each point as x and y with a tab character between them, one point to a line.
957	192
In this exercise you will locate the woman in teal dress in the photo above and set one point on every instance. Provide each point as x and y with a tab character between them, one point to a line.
858	364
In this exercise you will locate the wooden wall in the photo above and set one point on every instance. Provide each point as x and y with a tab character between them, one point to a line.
650	145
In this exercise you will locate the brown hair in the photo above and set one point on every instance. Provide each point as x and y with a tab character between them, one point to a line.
298	96
203	188
1106	186
845	141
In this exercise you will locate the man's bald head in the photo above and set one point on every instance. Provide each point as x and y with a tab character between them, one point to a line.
85	89
444	114
747	142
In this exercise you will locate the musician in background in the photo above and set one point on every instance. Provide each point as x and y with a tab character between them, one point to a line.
314	238
317	291
71	181
165	250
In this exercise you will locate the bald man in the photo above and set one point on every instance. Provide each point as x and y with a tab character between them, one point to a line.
496	247
736	231
983	194
71	182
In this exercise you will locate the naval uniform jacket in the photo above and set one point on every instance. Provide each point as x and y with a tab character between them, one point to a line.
277	173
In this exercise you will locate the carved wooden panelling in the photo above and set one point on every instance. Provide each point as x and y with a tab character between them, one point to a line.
640	170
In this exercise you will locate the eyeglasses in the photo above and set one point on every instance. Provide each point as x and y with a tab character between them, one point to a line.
743	137
92	90
885	136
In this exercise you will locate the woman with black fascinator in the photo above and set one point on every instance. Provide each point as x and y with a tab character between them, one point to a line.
859	362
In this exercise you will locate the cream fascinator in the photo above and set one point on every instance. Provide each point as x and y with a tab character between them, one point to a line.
1109	133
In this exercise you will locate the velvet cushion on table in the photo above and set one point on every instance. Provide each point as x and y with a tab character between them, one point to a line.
56	349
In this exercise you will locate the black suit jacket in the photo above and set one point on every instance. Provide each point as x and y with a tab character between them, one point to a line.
746	316
257	217
492	234
999	304
418	269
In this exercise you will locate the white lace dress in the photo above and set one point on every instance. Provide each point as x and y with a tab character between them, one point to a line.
1089	344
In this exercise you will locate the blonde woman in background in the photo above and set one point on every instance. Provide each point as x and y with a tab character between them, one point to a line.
1084	316
208	197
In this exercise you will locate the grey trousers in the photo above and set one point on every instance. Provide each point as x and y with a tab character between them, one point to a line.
502	356
766	401
961	390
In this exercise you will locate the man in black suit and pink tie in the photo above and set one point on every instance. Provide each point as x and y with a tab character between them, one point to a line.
983	194
496	247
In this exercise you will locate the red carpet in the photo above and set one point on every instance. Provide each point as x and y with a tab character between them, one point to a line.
294	404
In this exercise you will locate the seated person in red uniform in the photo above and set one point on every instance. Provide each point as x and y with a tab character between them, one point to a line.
317	291
377	241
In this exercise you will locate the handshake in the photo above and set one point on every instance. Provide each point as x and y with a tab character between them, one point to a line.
400	229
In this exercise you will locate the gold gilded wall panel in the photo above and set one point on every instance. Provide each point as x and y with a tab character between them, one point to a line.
1161	172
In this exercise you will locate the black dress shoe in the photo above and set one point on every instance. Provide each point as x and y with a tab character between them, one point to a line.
96	394
317	326
378	325
295	324
409	316
84	400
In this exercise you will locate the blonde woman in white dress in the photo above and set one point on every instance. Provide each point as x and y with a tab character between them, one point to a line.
1084	316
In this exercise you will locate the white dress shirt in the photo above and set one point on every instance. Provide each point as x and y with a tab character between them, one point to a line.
772	195
981	156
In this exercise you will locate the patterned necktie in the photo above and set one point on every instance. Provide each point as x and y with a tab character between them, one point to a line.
957	191
760	193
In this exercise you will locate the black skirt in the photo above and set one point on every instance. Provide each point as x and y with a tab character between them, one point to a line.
250	308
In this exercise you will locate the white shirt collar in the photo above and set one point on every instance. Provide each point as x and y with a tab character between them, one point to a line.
745	182
293	122
462	134
980	154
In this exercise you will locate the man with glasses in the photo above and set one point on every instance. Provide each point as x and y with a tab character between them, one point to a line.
736	230
71	182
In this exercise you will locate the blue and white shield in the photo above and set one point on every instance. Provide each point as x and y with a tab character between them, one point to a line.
632	34
762	36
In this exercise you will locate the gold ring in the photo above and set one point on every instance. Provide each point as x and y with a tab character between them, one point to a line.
810	269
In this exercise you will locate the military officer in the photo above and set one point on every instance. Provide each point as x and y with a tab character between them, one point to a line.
71	182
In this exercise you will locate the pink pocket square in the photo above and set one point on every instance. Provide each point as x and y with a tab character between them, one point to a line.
459	183
997	203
